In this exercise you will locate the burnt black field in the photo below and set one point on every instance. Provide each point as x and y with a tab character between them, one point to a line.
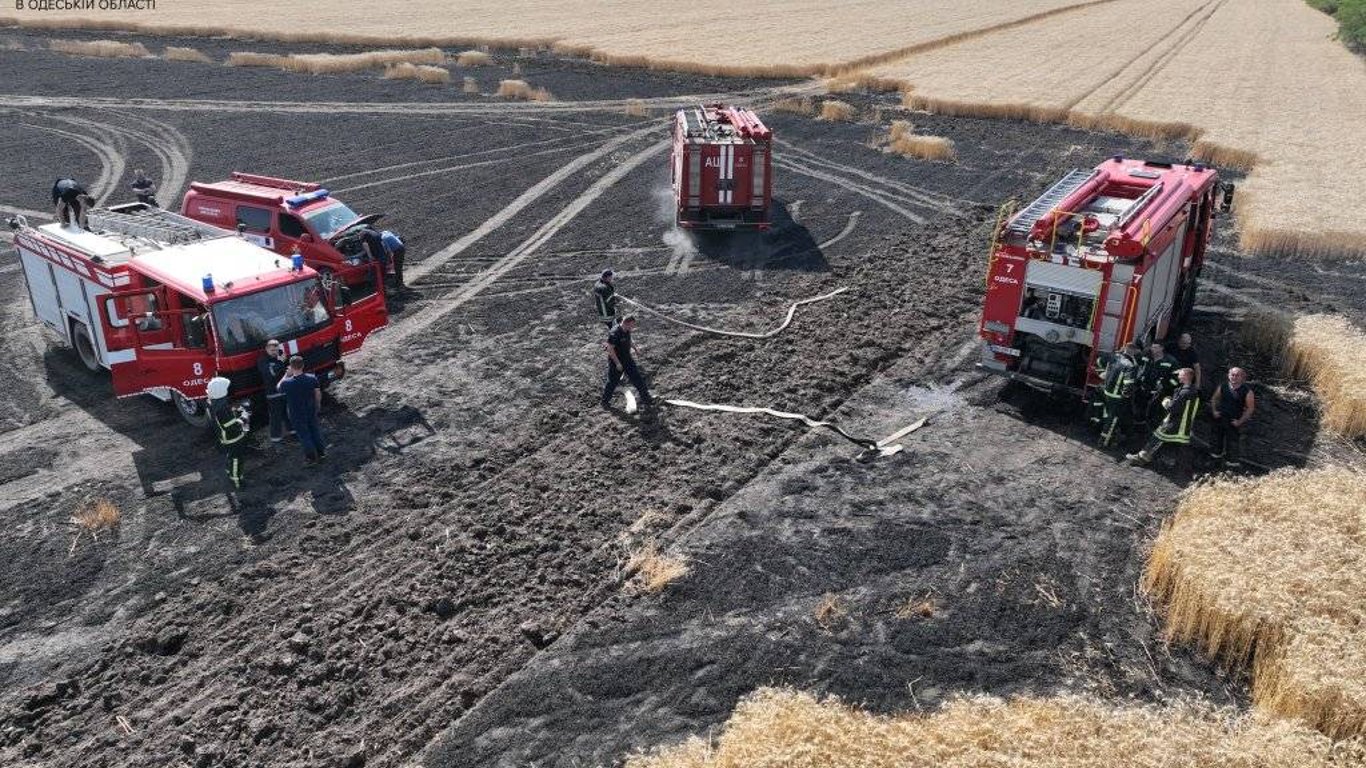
448	589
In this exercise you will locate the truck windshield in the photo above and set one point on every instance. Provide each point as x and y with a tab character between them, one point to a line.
247	322
326	221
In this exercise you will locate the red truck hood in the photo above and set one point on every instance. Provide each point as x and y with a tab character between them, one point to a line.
359	221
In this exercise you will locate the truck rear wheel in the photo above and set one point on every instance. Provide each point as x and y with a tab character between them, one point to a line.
85	346
192	411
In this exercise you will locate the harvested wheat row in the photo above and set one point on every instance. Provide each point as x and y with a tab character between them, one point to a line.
1270	574
108	49
472	59
778	728
834	110
636	108
520	89
173	53
253	59
423	72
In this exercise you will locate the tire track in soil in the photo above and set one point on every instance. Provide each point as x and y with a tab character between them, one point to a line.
893	204
891	187
505	263
111	161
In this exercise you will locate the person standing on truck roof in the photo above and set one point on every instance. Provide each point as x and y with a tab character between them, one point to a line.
621	361
144	189
1175	429
394	251
605	299
304	400
1232	406
1112	407
273	365
1187	357
71	201
1156	380
232	425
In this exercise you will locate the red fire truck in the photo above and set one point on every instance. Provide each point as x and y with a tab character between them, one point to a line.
282	214
722	168
166	303
1102	258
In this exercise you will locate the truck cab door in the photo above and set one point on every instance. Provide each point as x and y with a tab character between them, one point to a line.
145	352
360	318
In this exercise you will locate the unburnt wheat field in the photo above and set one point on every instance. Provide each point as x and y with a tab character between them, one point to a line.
489	570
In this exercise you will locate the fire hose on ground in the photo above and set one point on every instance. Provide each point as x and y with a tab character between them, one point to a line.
884	447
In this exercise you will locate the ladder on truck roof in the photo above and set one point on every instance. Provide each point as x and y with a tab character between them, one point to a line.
151	223
1049	200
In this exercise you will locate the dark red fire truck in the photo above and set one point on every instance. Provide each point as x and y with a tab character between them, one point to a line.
722	168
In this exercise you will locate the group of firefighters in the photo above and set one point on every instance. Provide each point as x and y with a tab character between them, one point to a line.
1142	388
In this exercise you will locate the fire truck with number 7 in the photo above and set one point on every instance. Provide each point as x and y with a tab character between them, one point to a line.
1102	258
166	303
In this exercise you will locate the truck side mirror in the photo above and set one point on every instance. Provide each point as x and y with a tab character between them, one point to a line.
344	295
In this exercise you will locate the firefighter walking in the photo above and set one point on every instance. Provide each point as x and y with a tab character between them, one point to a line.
232	425
605	299
1175	428
1112	410
621	362
1232	405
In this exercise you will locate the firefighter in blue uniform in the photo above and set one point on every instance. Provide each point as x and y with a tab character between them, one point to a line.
231	425
1112	407
1175	429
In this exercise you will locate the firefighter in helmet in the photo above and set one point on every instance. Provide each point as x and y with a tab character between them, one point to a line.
605	299
232	425
1112	407
1175	428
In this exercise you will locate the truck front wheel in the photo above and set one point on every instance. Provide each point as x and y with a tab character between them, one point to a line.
192	411
85	346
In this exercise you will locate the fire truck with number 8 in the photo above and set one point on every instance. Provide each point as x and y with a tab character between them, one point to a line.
166	303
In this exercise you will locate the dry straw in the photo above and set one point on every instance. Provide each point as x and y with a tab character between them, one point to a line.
423	72
101	515
108	49
174	53
1270	574
471	85
334	63
835	110
520	89
775	728
654	570
472	59
794	105
1325	350
636	108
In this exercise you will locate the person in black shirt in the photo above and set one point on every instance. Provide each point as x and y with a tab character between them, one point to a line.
1232	405
1187	357
272	366
621	361
605	299
71	201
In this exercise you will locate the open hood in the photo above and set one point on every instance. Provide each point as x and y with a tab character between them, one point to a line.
360	221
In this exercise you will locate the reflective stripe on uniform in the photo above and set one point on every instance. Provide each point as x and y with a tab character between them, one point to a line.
1183	428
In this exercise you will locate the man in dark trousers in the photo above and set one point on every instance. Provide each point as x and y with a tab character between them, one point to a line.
144	189
71	201
1187	357
272	365
621	361
304	400
1232	406
605	299
1112	406
395	252
232	425
1175	428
